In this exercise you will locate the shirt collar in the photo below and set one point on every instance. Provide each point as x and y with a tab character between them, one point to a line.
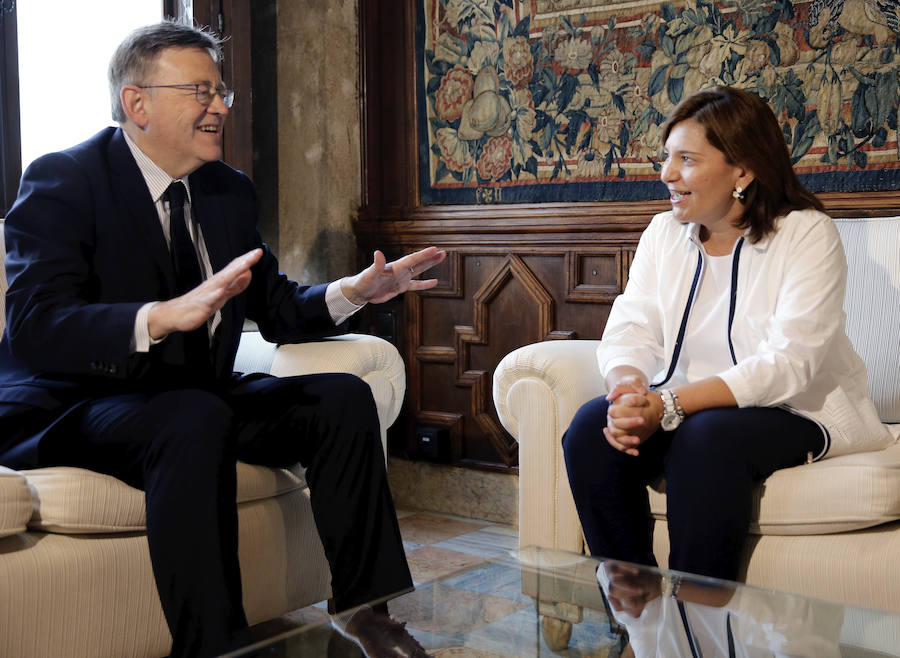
157	180
691	231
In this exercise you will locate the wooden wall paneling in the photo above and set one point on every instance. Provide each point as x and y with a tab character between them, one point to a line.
501	300
423	356
539	302
594	275
627	260
387	104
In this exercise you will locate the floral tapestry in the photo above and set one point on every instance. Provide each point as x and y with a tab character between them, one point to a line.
563	100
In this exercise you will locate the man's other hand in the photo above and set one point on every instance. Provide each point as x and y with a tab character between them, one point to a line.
382	281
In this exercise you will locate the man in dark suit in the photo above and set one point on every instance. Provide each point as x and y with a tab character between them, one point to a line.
133	260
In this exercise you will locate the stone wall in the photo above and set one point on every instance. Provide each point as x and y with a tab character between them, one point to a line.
476	494
319	138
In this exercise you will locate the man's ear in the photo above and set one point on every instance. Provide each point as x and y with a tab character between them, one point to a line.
134	103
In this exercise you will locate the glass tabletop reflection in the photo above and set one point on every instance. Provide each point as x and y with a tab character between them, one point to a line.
545	602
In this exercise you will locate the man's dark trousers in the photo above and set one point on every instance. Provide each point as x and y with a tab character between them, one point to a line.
180	447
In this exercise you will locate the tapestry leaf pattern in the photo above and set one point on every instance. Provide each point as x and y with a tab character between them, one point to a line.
563	100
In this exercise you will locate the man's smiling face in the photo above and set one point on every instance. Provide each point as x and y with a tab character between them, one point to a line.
181	134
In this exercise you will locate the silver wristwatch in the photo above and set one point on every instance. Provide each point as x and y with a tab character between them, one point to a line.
673	414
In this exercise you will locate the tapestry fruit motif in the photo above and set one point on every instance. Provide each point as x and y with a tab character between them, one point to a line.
518	98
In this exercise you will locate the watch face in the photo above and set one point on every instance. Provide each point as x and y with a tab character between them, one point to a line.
670	422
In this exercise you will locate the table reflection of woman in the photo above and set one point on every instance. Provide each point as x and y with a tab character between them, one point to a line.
672	616
734	308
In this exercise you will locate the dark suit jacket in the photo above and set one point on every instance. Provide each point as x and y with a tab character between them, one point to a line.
85	250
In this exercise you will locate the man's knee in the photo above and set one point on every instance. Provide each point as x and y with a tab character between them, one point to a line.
346	408
347	397
352	388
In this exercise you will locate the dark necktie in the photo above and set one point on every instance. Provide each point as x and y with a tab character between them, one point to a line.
187	276
184	255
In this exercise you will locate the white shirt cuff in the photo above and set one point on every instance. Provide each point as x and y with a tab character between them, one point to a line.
339	307
142	341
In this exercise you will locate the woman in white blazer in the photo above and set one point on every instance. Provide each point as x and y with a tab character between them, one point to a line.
725	358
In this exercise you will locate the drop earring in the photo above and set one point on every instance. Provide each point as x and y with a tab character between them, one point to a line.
738	193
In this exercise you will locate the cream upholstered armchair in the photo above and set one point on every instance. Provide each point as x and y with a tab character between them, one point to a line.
75	576
828	529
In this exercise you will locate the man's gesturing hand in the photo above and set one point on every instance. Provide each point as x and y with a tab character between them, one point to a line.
192	309
382	281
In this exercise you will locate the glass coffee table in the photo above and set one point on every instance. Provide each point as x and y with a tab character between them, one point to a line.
542	602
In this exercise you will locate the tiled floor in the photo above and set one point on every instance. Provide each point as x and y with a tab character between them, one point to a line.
437	545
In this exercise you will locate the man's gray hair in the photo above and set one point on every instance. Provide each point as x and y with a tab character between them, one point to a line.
135	57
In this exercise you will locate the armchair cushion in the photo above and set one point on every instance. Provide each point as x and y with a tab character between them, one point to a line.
834	495
15	502
77	501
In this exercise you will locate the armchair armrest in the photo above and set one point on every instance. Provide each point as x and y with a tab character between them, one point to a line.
372	359
537	390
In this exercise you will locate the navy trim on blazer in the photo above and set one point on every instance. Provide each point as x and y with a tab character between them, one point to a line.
734	273
684	319
692	640
731	652
689	632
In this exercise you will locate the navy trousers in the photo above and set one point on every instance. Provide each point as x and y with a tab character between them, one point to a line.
180	447
711	464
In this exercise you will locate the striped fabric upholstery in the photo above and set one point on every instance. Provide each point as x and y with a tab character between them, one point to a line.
75	501
15	502
872	305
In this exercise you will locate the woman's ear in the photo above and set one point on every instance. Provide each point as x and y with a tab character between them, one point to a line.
134	103
745	177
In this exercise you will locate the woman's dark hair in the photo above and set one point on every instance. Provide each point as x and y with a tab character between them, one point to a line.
744	128
134	58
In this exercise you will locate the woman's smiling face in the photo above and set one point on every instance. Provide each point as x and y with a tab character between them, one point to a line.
700	179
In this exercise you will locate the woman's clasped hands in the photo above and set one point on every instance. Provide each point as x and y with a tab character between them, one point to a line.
630	587
634	414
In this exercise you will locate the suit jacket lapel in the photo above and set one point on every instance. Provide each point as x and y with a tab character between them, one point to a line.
209	213
212	215
133	197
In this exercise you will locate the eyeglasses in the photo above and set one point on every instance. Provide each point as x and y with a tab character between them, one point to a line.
205	94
